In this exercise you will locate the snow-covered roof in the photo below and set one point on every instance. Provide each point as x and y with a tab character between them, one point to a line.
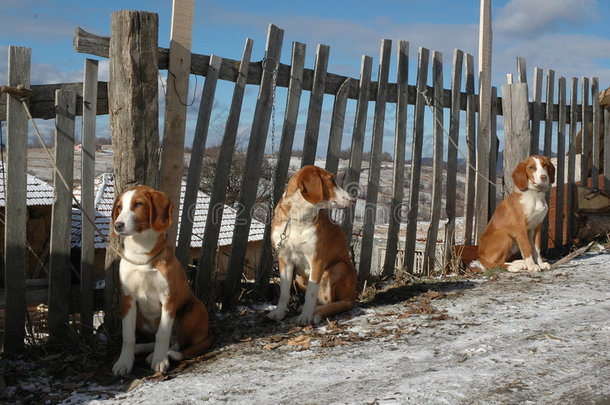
104	199
38	192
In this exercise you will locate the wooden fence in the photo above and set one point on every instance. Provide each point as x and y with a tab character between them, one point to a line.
433	105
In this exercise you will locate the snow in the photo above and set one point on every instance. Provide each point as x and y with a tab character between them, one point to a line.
519	338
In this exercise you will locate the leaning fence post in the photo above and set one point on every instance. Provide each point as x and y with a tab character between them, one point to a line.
15	253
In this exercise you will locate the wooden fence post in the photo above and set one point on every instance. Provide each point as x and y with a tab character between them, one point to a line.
61	218
87	260
471	160
516	128
15	252
134	117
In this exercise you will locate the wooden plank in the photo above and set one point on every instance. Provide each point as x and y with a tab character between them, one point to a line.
283	160
516	128
134	122
494	146
87	259
61	219
595	143
437	167
452	154
482	211
206	265
586	133
572	159
337	126
536	112
316	98
15	236
372	191
352	177
560	173
398	172
521	69
197	150
416	157
176	102
548	140
254	160
470	130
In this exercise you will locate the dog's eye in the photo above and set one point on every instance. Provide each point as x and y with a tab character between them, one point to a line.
137	204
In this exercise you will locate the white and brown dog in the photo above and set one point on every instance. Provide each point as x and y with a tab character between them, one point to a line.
515	225
155	295
307	241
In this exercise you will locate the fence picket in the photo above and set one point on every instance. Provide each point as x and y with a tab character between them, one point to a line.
416	157
59	256
87	260
471	175
316	98
437	166
352	177
494	144
337	126
586	133
572	156
398	172
372	190
15	239
595	144
193	178
536	112
561	161
252	169
207	254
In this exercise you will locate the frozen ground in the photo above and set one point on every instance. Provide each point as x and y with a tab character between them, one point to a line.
540	338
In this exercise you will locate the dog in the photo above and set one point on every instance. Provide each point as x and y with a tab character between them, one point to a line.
155	294
306	240
515	225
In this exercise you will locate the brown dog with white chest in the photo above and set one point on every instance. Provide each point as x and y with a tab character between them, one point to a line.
155	294
516	223
308	242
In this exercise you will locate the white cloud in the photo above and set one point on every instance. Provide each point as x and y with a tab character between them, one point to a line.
526	18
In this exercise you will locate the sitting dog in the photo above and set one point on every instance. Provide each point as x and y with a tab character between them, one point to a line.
515	225
307	241
155	295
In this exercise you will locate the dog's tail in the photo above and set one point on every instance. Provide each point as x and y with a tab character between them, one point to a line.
324	311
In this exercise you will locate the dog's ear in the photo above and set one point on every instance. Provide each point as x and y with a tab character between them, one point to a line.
311	186
115	213
160	211
520	175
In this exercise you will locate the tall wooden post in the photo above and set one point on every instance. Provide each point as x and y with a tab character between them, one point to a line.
134	119
482	190
172	155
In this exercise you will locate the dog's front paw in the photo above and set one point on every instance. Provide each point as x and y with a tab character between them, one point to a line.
305	319
278	314
544	265
123	365
534	268
159	363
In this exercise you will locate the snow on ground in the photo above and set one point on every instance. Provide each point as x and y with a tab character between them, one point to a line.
516	338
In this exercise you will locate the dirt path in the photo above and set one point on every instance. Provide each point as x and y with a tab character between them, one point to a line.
525	338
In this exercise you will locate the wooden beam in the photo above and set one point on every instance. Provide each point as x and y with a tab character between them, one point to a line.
174	124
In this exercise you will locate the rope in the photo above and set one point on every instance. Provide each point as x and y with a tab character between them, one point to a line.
21	95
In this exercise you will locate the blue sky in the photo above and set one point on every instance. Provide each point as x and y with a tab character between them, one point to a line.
569	36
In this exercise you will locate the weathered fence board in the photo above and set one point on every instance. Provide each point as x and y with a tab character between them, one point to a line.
416	156
572	157
606	181
398	171
516	128
548	138
197	150
372	189
452	155
585	130
252	169
471	159
352	177
283	159
595	143
536	112
87	259
209	245
494	145
59	256
15	218
560	173
316	98
337	126
430	256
